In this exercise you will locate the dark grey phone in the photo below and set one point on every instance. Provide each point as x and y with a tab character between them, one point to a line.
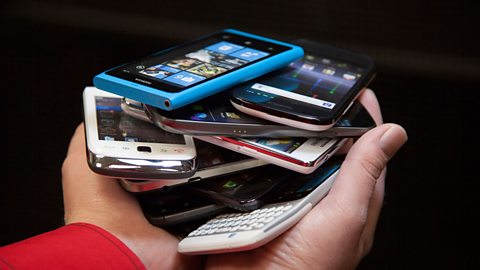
242	191
215	115
170	206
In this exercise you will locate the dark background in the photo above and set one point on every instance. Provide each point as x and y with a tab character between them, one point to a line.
428	76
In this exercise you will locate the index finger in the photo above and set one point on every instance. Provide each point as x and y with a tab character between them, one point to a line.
369	100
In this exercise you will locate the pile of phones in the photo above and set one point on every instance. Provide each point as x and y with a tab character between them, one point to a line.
232	132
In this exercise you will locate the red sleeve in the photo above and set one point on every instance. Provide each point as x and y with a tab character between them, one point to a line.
74	246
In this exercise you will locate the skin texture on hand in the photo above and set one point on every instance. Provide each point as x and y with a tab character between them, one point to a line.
336	234
91	198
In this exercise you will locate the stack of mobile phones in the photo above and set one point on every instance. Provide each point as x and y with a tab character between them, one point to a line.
230	123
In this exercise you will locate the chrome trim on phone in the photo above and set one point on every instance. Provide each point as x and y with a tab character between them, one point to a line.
141	169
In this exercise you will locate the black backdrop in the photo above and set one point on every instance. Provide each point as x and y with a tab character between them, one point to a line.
429	71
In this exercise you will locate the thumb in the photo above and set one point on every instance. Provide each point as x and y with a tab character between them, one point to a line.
363	165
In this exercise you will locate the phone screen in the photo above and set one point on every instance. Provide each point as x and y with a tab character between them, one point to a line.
303	184
279	145
240	189
170	201
214	109
113	124
199	61
323	79
209	155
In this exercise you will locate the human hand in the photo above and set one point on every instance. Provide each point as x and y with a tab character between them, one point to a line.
337	233
98	200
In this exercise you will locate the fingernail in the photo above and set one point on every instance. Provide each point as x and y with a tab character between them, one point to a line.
393	139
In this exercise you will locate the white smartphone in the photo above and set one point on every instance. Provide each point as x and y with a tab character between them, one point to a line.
124	147
303	155
285	206
212	161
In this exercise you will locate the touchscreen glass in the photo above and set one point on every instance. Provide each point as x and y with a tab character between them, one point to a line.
324	79
244	186
304	183
115	125
209	155
187	65
279	145
214	109
169	202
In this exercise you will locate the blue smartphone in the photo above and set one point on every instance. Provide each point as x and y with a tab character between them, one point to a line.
186	73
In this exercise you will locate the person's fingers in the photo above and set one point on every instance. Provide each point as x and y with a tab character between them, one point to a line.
84	190
92	198
374	209
350	198
369	100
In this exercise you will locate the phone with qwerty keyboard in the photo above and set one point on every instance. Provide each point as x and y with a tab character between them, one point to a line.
285	206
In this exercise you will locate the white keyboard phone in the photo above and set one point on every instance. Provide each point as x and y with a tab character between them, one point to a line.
239	231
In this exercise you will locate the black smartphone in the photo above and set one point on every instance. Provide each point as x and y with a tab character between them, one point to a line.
241	191
216	116
311	93
171	206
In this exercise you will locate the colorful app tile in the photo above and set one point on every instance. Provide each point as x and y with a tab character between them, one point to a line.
309	66
224	47
249	54
184	78
217	59
349	76
159	71
183	63
328	71
207	70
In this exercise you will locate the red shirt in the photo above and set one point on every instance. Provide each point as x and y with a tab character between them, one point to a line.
74	246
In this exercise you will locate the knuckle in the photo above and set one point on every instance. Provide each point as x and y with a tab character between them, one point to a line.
372	166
